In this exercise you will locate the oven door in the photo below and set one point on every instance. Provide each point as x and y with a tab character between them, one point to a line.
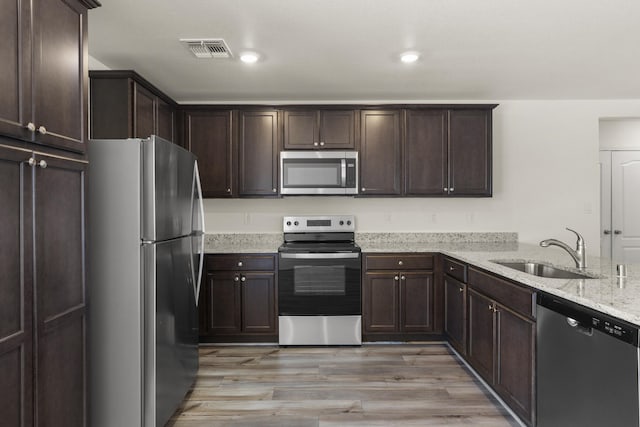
319	284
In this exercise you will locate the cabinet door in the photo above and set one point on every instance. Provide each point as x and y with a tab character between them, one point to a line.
208	136
425	152
515	355
258	153
470	152
380	152
60	314
455	317
481	334
16	331
258	302
15	68
165	118
301	130
380	311
416	301
144	112
337	129
59	74
224	303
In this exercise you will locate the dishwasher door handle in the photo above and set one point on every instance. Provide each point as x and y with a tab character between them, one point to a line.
579	328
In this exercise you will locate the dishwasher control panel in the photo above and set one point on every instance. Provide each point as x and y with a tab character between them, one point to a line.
615	329
586	318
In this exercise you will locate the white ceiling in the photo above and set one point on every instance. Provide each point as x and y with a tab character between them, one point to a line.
347	50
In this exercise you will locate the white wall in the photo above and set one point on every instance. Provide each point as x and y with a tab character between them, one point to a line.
545	172
620	134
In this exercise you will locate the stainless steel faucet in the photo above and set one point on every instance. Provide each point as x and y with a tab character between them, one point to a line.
579	255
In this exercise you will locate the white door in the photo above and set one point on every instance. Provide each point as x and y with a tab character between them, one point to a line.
625	206
605	204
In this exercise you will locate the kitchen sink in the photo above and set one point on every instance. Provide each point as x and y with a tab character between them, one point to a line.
543	270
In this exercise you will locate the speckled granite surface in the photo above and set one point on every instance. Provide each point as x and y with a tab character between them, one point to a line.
234	243
605	292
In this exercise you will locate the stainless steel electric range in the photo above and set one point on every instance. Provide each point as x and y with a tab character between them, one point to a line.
319	292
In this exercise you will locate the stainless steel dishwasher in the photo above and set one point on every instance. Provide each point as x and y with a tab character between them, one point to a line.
587	367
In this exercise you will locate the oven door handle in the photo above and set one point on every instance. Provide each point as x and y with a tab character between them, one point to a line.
334	255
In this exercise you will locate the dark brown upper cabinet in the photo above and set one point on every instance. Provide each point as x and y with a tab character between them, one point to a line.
447	152
125	105
208	136
258	151
470	151
319	129
380	152
44	93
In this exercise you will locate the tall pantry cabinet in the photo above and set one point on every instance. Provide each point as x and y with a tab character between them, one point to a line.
43	133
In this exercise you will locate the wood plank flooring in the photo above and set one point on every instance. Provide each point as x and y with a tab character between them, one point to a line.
372	385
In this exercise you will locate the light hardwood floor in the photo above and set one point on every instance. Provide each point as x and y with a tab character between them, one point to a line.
372	385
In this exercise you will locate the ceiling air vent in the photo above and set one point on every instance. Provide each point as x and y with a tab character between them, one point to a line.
208	48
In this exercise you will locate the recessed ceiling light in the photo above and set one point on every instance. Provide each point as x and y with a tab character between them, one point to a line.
409	57
249	57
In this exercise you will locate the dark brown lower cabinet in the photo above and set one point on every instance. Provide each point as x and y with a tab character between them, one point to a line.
501	343
398	304
455	313
42	291
238	304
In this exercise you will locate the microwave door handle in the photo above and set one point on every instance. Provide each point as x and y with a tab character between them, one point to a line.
343	170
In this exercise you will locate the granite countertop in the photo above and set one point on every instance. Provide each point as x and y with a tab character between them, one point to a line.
618	297
241	243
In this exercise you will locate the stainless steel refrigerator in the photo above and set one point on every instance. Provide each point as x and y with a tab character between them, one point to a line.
145	246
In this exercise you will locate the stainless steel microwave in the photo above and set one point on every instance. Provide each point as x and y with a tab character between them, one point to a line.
318	172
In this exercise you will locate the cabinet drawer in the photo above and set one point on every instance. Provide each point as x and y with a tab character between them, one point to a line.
517	298
456	269
241	262
398	261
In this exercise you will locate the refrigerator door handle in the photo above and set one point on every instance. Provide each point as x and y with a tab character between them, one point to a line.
198	195
198	277
200	231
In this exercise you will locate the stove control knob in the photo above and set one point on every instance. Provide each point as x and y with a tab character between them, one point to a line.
348	222
341	222
296	223
288	223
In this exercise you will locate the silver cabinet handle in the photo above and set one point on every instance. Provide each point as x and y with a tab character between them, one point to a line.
451	268
315	144
243	279
239	263
363	189
396	278
274	190
236	279
461	289
617	231
228	190
607	232
403	278
400	262
42	164
445	189
322	144
451	189
32	161
31	127
42	130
